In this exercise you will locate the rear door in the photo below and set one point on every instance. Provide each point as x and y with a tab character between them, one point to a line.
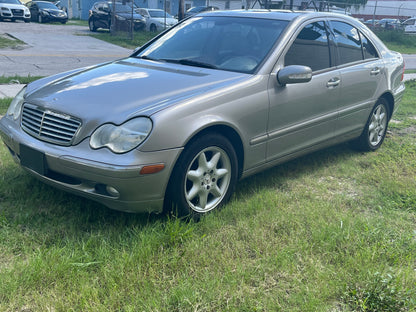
362	71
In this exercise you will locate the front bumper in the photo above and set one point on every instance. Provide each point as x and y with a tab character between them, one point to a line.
113	180
14	15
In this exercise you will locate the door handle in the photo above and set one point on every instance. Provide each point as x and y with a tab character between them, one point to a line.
332	83
375	71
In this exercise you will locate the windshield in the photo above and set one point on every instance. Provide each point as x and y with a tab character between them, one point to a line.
227	43
47	5
157	13
11	1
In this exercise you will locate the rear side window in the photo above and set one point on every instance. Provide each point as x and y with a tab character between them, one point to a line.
348	42
352	45
368	48
310	48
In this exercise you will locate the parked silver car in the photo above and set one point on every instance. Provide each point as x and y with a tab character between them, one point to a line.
216	98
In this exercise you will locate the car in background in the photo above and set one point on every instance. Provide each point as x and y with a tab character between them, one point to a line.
100	16
371	23
14	10
157	20
389	24
409	25
200	9
216	98
45	12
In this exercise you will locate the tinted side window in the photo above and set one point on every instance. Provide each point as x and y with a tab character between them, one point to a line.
368	48
310	48
348	42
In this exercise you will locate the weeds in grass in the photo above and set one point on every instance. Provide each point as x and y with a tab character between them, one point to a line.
382	292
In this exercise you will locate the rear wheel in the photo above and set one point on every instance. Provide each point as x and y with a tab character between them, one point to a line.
204	177
376	127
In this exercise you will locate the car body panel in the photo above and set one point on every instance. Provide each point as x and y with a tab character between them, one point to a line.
44	11
409	25
267	122
155	19
100	16
14	11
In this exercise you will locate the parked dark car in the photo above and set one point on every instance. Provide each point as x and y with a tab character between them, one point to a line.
100	16
199	9
44	11
215	98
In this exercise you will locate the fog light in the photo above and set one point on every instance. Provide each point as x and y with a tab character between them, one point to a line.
112	191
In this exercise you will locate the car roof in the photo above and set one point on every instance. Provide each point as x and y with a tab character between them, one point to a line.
287	15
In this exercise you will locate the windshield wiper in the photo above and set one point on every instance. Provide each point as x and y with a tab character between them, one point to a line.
190	63
145	57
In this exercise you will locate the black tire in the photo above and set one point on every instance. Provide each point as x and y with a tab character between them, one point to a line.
91	25
27	21
204	177
375	129
153	28
40	19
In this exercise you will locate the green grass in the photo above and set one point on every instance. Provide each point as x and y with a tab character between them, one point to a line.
9	42
18	79
398	41
123	40
77	22
4	104
332	231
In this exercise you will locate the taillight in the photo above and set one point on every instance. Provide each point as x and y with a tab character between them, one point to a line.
403	71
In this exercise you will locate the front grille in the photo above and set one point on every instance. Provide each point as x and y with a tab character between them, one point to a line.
49	126
17	12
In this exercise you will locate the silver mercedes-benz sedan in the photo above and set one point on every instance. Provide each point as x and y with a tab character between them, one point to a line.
214	99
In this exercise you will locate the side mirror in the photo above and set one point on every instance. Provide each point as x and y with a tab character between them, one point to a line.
294	74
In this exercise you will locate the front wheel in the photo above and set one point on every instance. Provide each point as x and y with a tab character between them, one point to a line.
91	25
204	177
40	19
153	28
376	127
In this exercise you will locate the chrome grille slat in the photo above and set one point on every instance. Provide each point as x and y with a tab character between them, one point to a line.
49	126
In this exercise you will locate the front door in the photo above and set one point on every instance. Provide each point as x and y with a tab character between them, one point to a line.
304	115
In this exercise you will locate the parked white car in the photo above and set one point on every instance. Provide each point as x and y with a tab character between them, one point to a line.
410	25
156	20
14	10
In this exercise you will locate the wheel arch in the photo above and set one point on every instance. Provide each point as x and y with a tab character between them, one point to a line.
223	130
230	134
390	101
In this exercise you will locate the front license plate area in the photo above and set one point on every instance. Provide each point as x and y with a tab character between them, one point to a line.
33	159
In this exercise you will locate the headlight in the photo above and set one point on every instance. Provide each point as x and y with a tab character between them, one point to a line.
123	138
16	105
5	9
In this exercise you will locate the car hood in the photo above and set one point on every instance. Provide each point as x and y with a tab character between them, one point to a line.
14	6
117	91
54	11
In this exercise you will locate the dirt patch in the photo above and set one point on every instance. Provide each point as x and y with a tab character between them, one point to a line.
409	130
